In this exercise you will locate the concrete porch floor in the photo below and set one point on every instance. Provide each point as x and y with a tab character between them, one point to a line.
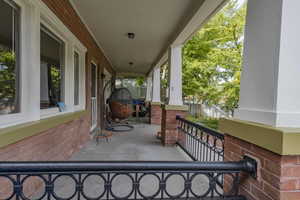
137	145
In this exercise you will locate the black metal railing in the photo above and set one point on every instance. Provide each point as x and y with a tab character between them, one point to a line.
199	142
121	180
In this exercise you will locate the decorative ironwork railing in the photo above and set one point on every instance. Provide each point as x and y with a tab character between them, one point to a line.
122	180
199	142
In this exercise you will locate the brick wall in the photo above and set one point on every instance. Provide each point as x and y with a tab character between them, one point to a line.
278	176
155	114
57	143
169	132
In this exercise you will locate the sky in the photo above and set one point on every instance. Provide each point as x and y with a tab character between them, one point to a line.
241	2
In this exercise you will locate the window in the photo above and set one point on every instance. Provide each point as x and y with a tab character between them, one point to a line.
27	46
76	78
9	58
52	69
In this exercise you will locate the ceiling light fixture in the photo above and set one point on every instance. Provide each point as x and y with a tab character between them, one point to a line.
131	35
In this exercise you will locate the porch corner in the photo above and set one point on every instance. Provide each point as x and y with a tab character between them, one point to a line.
278	161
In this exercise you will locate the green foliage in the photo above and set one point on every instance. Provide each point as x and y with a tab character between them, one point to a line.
7	79
140	81
164	77
209	122
55	74
213	58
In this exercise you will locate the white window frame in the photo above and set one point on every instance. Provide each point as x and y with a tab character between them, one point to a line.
32	14
107	78
93	126
81	93
51	21
49	112
27	39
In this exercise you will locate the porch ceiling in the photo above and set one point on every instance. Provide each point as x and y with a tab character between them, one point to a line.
156	23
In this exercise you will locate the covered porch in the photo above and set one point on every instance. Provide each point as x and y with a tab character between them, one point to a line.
138	145
46	139
133	165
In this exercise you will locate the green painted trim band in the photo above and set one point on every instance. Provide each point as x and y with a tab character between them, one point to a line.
14	134
156	103
175	107
283	141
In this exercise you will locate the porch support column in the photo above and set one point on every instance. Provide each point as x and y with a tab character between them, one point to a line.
149	88
156	85
270	82
155	107
267	122
175	104
175	76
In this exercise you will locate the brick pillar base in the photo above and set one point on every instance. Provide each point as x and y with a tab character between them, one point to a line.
155	113
277	152
278	176
169	132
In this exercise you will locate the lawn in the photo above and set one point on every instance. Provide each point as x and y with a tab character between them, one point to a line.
209	122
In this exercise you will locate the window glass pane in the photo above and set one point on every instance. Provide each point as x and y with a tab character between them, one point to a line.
76	78
9	58
52	70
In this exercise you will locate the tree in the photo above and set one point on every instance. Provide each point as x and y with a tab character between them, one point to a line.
212	59
139	81
8	81
164	78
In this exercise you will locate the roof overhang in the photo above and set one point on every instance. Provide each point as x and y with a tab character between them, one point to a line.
157	25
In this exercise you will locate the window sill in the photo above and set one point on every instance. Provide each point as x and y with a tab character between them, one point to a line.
50	112
54	112
16	133
79	107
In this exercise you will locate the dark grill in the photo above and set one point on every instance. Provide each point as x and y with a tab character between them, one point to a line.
199	142
193	180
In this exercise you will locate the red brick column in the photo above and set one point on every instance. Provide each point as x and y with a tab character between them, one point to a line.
155	113
278	176
169	133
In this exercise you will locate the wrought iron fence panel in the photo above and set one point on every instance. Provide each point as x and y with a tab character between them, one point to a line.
120	180
199	142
